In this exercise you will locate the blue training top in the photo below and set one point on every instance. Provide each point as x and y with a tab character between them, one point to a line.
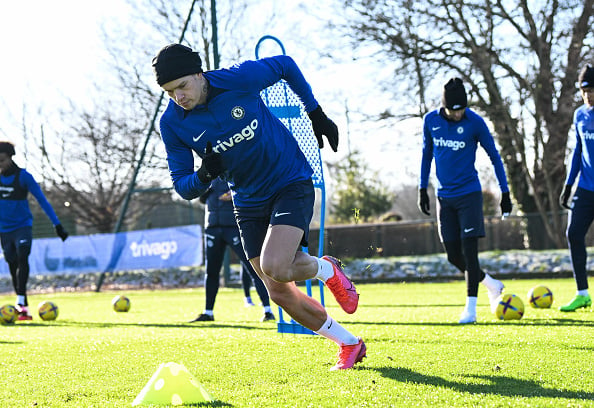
583	154
258	152
454	144
14	205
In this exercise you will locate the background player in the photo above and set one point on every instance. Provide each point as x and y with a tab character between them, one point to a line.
221	232
582	208
16	222
451	135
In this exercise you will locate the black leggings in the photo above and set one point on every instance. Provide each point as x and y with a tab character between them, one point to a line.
580	219
463	254
217	240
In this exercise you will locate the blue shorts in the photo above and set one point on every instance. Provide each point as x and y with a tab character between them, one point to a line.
292	205
16	243
460	217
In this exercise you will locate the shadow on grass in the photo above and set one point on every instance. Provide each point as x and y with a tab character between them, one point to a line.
210	404
497	385
214	325
523	322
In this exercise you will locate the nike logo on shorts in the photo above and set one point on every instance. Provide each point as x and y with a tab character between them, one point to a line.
466	230
281	214
196	138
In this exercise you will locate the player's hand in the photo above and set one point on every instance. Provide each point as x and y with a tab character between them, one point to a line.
564	198
322	125
212	165
424	201
61	232
506	204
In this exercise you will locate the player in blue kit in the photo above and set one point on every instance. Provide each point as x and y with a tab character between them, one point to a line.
220	232
451	135
582	208
16	222
220	116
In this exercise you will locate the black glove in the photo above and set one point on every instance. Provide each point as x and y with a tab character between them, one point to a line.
323	126
564	198
212	165
61	232
506	204
424	201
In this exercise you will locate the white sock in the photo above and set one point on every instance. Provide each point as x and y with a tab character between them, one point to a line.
325	270
335	332
20	300
267	309
583	292
489	282
470	304
208	312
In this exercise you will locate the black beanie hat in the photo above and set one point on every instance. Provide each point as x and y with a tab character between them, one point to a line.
586	78
175	61
7	147
454	95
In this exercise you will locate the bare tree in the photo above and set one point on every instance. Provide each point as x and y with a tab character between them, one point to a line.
520	60
89	166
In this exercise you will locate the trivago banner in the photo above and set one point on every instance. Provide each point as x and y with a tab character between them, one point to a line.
147	249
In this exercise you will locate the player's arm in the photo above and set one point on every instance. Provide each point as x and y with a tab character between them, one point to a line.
488	143
259	74
576	160
181	166
574	170
30	183
427	158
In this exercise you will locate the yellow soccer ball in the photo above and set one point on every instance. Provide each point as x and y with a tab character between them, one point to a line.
509	307
48	310
540	297
120	303
8	314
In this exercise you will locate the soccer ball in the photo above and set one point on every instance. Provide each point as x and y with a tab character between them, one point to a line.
540	297
47	310
509	307
120	303
8	314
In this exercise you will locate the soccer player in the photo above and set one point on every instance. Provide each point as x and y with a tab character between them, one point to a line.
221	232
581	212
451	135
221	117
16	222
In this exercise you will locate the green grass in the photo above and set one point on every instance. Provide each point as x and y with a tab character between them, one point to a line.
417	354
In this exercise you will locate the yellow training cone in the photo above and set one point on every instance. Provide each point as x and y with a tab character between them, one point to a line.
172	384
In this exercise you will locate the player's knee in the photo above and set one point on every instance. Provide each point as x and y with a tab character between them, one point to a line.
275	270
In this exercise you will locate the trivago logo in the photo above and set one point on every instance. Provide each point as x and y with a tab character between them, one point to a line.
247	133
163	249
452	144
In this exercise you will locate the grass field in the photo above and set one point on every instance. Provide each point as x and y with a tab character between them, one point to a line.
417	354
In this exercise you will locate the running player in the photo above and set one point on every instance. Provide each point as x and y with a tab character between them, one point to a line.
220	232
451	135
582	209
16	222
221	117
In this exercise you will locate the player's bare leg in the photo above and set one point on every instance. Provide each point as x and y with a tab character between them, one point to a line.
283	262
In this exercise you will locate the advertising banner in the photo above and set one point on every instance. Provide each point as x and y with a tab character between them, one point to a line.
147	249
